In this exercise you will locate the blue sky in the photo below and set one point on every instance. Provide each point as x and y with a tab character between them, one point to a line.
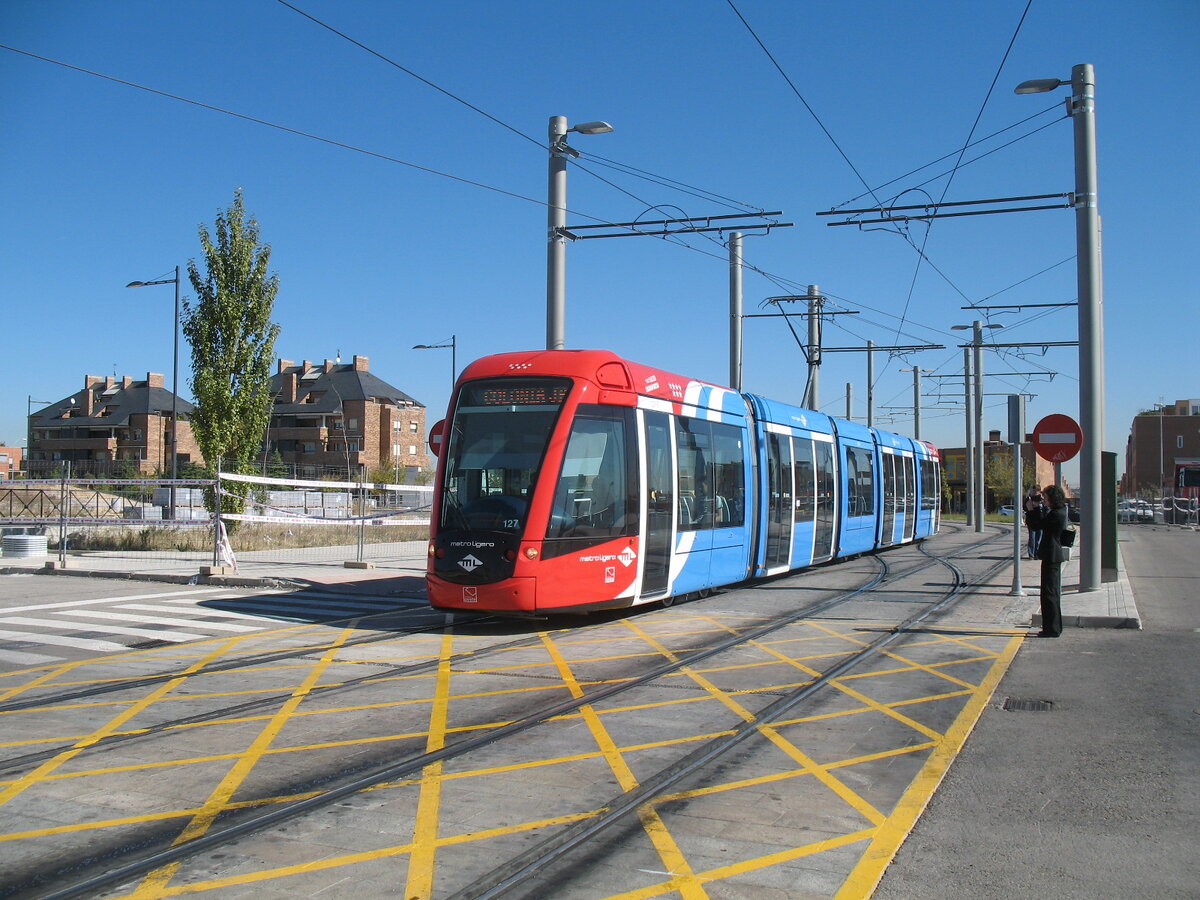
104	184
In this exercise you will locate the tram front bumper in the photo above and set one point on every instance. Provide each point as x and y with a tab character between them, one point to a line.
516	595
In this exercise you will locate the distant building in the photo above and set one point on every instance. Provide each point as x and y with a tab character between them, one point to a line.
333	417
10	462
954	464
1157	438
113	426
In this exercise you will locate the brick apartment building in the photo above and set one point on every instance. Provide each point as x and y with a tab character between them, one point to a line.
333	416
114	425
954	464
10	462
1157	439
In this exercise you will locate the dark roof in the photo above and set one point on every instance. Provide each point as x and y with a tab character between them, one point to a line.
343	383
137	399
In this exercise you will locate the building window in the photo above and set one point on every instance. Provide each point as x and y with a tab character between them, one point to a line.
1179	442
354	446
412	449
412	427
353	424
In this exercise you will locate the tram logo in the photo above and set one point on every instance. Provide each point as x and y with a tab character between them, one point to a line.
626	556
651	384
470	595
469	563
610	574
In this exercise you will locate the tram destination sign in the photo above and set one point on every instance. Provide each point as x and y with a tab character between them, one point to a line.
1057	438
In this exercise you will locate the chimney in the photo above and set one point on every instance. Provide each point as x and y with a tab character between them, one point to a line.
305	366
155	380
287	390
109	381
86	399
328	366
994	435
362	363
126	381
283	364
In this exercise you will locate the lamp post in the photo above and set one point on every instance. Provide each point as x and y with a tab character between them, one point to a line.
174	383
452	346
979	489
1161	461
556	206
1082	109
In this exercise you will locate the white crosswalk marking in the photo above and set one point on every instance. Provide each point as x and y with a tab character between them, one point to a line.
59	640
146	634
155	620
42	607
206	611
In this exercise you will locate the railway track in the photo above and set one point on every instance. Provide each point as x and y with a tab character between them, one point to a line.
118	865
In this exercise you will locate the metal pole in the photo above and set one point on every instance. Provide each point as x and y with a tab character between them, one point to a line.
917	402
1016	421
980	492
870	383
175	403
453	361
849	402
813	400
735	310
556	248
968	447
1091	345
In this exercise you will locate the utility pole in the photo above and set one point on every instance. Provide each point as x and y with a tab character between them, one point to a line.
735	311
870	383
968	449
812	397
916	370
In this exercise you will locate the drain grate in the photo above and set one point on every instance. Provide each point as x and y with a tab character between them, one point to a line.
1014	704
149	645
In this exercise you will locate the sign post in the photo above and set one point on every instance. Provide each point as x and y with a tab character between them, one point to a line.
1016	434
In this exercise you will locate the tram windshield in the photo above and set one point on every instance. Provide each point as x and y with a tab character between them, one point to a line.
497	440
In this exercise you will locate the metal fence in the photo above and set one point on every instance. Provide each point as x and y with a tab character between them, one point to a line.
157	524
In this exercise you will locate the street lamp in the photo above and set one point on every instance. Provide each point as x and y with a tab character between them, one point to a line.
1082	109
556	250
174	383
978	488
452	346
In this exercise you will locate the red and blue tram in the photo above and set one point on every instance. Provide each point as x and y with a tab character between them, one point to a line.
576	481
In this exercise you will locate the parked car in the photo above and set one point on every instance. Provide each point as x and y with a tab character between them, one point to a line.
1005	510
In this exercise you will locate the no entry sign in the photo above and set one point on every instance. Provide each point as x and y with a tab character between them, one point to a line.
435	436
1057	438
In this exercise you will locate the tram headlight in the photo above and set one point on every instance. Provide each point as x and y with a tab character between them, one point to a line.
531	553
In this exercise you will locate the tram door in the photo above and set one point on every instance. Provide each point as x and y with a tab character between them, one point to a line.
910	498
779	511
660	504
827	499
888	535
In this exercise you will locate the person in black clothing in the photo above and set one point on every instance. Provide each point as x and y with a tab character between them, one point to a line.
1034	506
1051	520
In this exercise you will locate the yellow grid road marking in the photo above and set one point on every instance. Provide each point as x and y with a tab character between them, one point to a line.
219	798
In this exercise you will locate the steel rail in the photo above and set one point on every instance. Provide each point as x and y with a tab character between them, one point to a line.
518	870
414	763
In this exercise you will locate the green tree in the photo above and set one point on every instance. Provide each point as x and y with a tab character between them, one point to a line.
998	476
232	338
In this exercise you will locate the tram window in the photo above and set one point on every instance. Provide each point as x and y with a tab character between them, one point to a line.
592	498
694	446
730	509
929	484
806	498
494	455
860	481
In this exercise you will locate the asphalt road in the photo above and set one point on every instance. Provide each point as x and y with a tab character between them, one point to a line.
1100	796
